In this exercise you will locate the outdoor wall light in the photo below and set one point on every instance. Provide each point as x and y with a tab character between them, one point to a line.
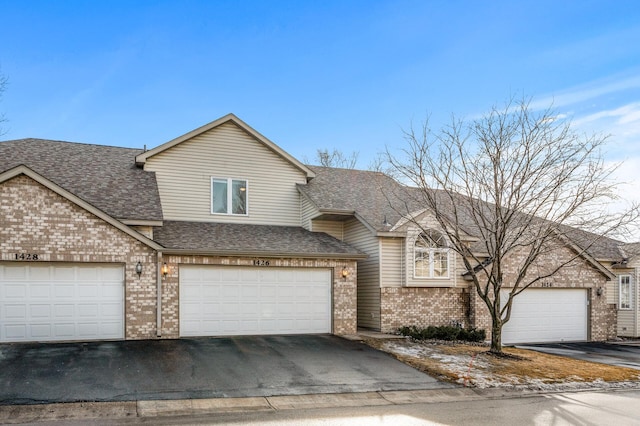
139	269
165	269
599	291
345	272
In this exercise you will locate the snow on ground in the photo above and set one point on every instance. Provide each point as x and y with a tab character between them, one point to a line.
475	371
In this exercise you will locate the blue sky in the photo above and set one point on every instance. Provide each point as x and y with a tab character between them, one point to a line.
314	74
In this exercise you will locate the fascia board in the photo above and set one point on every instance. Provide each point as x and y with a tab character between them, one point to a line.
142	158
230	253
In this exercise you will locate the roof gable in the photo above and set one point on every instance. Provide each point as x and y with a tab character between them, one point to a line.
104	176
24	170
142	158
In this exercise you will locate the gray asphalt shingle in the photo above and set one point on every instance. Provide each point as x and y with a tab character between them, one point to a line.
104	176
240	238
375	197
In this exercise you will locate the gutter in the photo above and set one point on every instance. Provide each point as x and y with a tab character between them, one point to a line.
636	306
159	295
244	253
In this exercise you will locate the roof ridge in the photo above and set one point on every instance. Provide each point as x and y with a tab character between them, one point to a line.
71	143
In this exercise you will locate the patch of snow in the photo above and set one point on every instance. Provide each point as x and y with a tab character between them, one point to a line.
474	371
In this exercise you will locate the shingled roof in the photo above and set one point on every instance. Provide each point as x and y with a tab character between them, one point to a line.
375	197
353	191
248	240
104	176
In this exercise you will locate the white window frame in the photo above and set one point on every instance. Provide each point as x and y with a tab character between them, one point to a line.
625	280
430	253
230	196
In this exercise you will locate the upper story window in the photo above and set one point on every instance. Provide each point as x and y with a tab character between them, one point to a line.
431	255
624	294
229	196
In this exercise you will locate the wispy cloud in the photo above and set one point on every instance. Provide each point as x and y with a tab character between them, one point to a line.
589	91
625	114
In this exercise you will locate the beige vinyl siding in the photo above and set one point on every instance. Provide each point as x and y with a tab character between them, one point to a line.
331	227
613	287
357	235
307	212
636	301
627	318
184	175
392	262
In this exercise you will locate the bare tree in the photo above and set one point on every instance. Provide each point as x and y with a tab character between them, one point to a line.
507	190
4	81
336	159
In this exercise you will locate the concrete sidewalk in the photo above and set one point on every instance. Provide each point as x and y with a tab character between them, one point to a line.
88	411
160	408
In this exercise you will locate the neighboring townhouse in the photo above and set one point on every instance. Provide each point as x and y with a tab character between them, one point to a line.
220	232
412	277
625	292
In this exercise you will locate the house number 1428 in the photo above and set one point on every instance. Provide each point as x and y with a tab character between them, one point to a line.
26	256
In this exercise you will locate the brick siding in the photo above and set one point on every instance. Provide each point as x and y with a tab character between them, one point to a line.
34	219
422	306
602	321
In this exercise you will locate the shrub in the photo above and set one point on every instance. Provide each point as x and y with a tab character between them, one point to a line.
443	332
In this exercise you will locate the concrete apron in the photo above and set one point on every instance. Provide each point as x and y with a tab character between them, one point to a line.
157	408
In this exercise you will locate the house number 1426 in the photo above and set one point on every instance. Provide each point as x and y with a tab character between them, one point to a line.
260	262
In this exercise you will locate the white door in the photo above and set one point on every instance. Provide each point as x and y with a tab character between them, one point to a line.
49	302
547	315
227	300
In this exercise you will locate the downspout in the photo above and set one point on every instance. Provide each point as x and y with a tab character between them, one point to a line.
635	307
159	296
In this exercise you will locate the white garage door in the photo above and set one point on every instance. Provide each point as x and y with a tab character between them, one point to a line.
547	315
49	302
222	301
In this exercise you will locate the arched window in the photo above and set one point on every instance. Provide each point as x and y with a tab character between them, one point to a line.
431	255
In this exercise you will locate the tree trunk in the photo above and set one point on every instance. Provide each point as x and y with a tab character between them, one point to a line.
496	336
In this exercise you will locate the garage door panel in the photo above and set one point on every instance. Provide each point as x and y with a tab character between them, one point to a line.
60	273
40	312
50	301
15	273
40	331
14	312
89	311
254	300
64	311
229	275
14	291
547	315
88	291
110	290
14	331
64	291
86	329
40	291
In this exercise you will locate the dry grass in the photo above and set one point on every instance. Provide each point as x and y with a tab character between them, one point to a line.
460	362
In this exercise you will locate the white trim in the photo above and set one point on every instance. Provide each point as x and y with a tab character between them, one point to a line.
430	253
230	196
629	294
142	158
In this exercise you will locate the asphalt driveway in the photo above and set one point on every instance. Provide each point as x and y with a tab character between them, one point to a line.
199	368
620	354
